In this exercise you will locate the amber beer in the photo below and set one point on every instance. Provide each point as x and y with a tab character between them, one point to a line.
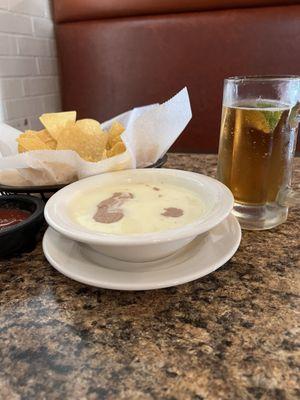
255	150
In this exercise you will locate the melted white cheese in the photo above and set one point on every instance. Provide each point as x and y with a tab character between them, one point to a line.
142	213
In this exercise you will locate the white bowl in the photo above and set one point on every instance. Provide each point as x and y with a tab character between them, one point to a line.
147	246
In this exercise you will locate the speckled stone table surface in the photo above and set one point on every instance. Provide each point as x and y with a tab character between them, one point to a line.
230	335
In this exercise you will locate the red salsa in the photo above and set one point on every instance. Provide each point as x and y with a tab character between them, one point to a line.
12	216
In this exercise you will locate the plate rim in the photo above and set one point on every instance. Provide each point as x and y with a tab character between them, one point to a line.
144	286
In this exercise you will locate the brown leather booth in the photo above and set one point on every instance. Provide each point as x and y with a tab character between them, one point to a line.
117	54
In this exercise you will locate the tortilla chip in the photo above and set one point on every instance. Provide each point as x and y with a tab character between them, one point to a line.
114	134
31	143
47	138
89	146
55	122
117	149
89	126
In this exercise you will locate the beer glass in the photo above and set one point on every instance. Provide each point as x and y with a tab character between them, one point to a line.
259	126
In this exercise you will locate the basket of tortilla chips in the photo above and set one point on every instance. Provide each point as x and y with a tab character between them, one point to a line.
67	148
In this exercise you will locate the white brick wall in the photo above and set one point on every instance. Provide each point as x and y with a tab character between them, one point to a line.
29	83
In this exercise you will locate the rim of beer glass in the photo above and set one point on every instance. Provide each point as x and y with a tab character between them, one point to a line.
266	78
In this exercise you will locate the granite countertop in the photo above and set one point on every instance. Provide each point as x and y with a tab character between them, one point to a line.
230	335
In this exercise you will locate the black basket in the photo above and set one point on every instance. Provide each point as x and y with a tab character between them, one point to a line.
45	191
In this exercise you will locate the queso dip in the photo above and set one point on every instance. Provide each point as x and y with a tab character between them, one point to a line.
136	208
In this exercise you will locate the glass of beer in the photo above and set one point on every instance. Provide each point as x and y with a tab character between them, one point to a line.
259	126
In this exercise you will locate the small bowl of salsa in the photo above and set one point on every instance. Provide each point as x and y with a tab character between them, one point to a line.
21	218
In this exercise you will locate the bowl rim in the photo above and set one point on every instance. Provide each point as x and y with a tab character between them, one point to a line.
32	217
195	228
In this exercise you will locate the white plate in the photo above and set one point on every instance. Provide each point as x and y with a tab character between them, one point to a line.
202	256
